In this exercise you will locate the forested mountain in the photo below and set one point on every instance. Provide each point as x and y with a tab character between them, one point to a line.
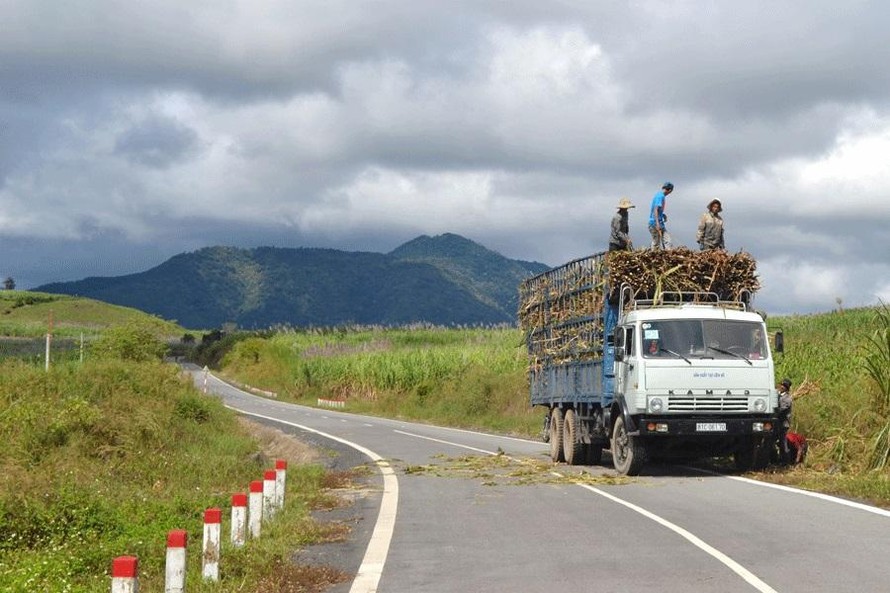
445	279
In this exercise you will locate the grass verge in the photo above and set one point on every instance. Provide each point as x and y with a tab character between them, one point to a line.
103	459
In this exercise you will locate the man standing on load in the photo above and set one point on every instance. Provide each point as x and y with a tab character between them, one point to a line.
657	218
710	228
619	240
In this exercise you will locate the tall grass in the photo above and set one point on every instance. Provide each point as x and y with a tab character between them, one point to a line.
462	377
837	364
876	361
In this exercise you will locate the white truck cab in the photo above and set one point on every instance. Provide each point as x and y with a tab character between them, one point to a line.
693	379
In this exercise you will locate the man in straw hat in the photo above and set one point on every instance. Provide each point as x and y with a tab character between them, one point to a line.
710	227
619	240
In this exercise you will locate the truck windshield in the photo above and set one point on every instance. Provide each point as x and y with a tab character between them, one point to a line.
699	338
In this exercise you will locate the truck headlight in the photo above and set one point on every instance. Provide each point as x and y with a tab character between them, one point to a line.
760	405
656	405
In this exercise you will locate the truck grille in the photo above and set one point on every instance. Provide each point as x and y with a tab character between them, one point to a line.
707	403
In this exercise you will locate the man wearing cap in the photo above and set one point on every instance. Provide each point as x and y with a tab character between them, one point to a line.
657	218
710	227
619	240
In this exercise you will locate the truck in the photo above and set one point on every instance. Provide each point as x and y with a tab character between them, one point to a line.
623	356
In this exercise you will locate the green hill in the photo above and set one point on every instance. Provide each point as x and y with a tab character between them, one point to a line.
443	280
27	314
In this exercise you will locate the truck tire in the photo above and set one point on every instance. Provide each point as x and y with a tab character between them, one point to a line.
572	447
628	452
556	427
753	455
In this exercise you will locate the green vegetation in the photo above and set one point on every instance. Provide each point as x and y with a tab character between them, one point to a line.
26	314
103	459
472	378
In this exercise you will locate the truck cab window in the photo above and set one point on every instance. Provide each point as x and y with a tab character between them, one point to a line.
709	338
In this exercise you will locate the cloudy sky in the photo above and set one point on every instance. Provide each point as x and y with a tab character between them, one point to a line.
133	131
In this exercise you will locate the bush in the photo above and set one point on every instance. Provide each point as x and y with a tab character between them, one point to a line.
129	342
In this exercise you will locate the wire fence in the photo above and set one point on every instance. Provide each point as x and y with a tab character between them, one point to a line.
34	349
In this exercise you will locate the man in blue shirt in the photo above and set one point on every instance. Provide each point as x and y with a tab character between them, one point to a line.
657	218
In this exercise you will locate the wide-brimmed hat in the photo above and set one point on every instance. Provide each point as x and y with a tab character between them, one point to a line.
715	201
624	203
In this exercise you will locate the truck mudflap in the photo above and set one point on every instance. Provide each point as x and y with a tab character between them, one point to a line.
666	426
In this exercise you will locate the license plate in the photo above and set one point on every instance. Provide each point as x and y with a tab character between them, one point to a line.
710	426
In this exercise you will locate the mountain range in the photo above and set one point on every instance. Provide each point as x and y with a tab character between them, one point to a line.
443	280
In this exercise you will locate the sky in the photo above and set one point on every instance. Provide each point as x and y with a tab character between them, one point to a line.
134	131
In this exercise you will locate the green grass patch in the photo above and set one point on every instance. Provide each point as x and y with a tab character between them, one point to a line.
103	459
27	314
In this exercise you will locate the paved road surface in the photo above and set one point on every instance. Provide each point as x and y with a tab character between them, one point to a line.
427	526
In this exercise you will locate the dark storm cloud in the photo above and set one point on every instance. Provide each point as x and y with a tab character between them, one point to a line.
132	132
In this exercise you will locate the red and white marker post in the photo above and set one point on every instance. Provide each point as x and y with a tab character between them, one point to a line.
239	519
280	481
174	573
210	558
124	574
268	493
255	508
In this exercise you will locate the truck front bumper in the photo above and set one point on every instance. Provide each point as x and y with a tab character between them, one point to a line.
655	426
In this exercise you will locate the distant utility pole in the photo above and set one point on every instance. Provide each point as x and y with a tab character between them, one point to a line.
49	338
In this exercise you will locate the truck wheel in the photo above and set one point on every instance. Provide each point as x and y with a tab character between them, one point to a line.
628	453
572	447
753	455
556	427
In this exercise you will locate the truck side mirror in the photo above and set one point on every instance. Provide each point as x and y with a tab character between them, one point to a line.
619	353
780	342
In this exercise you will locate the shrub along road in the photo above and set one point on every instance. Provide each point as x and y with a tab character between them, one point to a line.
452	510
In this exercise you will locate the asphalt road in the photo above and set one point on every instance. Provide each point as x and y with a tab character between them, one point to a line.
449	510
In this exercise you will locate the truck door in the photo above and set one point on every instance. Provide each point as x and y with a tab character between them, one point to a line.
624	337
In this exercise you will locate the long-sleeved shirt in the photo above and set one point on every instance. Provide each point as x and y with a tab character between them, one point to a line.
619	238
710	231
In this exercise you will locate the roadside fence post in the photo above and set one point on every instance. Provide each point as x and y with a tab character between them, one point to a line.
174	574
268	493
124	574
210	558
280	481
255	509
239	519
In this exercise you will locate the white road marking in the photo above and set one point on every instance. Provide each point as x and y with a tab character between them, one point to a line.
819	495
420	436
734	566
371	569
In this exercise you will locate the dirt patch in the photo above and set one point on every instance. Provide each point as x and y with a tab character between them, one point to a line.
276	444
289	578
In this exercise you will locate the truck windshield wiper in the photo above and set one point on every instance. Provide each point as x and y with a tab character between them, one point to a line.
677	354
731	353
